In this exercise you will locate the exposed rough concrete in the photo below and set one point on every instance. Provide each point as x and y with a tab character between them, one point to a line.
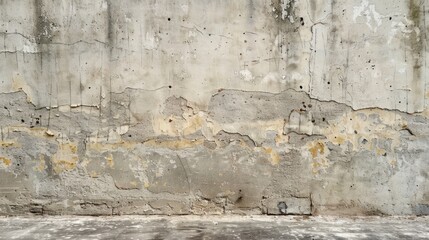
211	107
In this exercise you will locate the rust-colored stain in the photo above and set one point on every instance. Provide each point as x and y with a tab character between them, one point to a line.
6	161
318	148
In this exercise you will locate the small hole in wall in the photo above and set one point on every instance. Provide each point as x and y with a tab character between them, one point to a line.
390	18
22	120
323	119
329	82
129	135
169	19
170	120
300	87
282	207
170	86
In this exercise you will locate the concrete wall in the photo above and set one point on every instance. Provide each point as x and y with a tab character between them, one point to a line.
214	106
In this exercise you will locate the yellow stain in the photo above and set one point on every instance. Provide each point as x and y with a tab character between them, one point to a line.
62	165
193	124
7	144
281	139
65	159
380	151
42	164
6	161
275	157
355	126
109	160
93	174
318	148
393	163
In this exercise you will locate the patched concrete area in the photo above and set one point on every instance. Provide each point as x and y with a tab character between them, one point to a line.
213	227
214	107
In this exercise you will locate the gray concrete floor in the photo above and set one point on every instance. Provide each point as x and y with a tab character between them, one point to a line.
213	227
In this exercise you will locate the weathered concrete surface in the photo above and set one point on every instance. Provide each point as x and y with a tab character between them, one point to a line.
213	227
201	107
